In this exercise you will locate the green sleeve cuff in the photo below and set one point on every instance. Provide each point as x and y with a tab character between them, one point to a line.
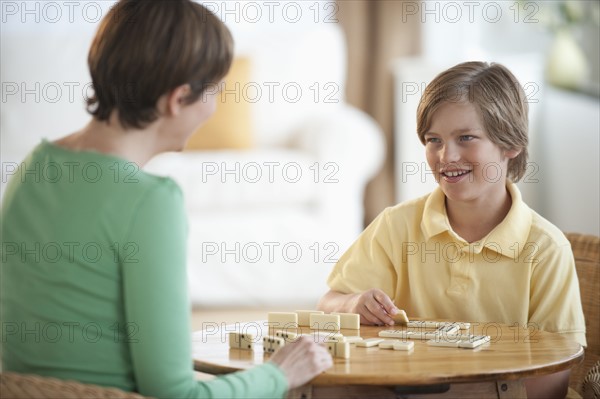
280	382
264	381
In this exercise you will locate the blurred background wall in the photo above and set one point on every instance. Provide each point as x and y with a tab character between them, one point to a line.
392	49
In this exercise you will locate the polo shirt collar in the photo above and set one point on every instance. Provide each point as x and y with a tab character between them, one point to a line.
435	220
513	230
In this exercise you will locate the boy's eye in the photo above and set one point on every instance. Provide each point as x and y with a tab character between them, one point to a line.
432	140
466	138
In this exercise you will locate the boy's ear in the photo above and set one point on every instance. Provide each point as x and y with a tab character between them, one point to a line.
175	100
511	154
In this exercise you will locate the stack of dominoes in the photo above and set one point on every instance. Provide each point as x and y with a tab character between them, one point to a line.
318	320
315	319
446	334
325	328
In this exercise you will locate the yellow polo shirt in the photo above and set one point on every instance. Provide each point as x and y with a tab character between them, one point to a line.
522	272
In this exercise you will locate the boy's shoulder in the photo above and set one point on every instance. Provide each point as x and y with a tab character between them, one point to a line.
407	210
543	231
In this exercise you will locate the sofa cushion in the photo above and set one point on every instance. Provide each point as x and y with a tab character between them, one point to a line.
271	258
293	81
240	180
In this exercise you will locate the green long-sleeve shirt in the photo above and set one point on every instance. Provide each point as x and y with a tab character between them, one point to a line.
93	279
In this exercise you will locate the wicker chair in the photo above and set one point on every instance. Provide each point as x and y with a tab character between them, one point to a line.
27	386
586	249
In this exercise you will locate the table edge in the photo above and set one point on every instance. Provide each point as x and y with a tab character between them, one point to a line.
337	379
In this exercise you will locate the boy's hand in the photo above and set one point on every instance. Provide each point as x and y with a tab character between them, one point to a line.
375	307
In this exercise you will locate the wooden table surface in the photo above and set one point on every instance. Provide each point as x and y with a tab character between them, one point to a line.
513	353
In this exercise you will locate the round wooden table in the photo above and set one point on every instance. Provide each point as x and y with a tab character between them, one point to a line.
495	369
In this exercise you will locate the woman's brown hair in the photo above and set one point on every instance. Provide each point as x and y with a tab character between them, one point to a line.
145	48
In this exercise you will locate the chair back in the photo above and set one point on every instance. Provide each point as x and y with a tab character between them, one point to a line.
29	386
586	250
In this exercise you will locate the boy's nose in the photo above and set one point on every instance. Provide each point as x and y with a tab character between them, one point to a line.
449	154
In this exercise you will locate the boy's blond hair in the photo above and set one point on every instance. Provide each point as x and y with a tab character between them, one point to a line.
498	98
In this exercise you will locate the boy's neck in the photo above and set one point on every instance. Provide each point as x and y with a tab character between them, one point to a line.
475	219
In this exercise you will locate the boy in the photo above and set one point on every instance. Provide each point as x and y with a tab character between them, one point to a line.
473	240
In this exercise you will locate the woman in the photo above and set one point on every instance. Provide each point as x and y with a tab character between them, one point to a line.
93	271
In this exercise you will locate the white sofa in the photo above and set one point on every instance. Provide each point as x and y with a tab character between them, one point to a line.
253	242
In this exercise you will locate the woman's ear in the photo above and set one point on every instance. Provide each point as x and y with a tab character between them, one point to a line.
175	100
511	154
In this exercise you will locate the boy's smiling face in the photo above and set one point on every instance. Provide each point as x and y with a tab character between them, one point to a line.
468	166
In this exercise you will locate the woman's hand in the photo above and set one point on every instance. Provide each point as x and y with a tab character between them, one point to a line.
302	360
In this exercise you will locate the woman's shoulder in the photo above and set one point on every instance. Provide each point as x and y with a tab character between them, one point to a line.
91	166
